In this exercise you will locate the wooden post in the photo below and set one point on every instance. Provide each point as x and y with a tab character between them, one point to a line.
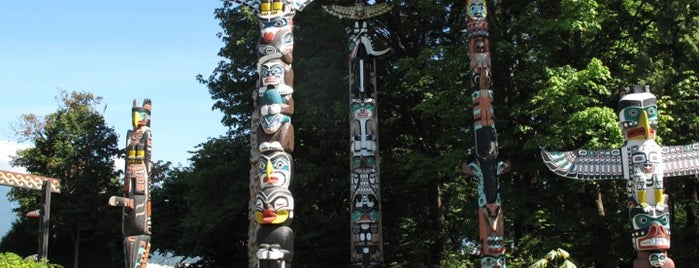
44	221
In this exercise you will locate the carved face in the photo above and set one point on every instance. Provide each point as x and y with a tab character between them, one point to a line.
493	262
477	9
276	39
657	259
363	109
271	123
638	116
140	117
365	213
274	205
274	169
272	72
651	229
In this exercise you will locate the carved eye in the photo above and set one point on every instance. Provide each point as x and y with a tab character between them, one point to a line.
632	113
276	71
651	111
279	164
653	157
280	203
280	23
259	204
643	220
638	158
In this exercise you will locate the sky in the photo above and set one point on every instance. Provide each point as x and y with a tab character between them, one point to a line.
119	50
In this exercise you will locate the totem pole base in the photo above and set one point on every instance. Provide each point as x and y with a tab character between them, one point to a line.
136	250
659	260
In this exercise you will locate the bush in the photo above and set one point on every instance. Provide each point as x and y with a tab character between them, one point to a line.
11	260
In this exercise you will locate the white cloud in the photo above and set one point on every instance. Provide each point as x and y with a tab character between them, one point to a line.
8	149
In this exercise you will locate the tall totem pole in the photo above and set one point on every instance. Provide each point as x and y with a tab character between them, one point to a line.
366	248
271	240
136	217
643	164
487	168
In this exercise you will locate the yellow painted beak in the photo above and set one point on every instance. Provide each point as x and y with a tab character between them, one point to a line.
642	131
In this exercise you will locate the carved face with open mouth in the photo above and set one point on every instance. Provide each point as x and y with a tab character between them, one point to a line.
651	229
274	205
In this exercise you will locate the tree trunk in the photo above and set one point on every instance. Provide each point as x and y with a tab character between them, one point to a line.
76	248
437	217
600	204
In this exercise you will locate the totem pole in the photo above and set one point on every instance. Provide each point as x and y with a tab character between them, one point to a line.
136	217
643	164
366	249
486	168
271	240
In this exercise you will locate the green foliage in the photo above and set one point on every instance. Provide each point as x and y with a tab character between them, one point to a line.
12	260
568	107
75	145
553	258
197	205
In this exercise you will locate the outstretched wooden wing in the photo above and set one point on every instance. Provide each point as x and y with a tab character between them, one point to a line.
359	11
586	164
254	4
681	160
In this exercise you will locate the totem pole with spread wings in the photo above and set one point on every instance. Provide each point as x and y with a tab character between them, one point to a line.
643	164
366	248
136	217
271	240
486	168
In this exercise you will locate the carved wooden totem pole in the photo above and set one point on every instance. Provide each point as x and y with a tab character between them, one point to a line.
136	217
271	240
643	164
365	187
486	168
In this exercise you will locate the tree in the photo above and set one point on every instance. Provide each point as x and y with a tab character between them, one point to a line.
8	259
202	209
75	145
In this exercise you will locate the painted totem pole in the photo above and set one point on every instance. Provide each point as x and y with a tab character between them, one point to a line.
136	217
486	168
366	248
271	240
643	164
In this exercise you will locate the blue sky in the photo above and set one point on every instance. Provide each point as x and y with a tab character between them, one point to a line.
119	50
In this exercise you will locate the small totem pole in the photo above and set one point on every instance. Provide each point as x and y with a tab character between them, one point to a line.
366	248
643	164
271	240
487	168
136	217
